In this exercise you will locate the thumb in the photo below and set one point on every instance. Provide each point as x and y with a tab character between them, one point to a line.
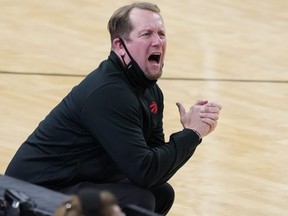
181	109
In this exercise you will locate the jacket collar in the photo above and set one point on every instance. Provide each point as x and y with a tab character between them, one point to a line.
132	72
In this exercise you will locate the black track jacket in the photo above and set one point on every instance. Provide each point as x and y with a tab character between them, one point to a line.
109	127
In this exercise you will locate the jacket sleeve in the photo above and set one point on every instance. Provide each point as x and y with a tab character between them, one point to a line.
112	117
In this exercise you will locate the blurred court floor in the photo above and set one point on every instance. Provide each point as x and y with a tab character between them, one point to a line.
234	52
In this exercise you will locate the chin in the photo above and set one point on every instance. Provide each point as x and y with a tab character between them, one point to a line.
155	75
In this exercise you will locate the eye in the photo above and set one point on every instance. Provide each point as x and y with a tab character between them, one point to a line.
162	34
146	34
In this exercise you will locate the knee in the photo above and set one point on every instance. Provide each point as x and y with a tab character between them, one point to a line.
145	199
171	194
164	196
165	191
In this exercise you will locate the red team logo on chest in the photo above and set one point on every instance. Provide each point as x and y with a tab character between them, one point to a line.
154	107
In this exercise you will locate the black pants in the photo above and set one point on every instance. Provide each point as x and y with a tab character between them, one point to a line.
157	199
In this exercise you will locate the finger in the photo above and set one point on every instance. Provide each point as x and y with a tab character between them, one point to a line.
214	104
201	102
210	122
213	116
181	109
209	109
198	104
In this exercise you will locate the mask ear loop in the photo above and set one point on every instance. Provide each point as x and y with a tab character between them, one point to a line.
126	49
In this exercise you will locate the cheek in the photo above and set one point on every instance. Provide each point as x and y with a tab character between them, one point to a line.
138	51
141	55
164	44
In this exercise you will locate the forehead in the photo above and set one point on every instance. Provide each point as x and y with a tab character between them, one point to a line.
142	19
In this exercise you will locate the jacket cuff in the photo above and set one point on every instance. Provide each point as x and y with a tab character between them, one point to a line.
195	134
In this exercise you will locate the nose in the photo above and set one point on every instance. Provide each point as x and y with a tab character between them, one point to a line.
157	40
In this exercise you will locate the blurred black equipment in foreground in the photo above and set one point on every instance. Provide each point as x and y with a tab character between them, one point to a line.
16	203
134	210
20	198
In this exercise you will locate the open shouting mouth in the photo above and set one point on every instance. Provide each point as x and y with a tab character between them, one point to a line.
155	58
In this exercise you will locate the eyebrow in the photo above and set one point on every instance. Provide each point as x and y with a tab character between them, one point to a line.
150	30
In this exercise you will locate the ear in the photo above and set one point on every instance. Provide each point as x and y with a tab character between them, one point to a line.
118	47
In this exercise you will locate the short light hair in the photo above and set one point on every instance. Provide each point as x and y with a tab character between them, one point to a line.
120	25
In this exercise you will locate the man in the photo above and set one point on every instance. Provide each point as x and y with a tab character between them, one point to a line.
107	132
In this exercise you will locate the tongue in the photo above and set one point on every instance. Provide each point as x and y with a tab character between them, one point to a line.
152	61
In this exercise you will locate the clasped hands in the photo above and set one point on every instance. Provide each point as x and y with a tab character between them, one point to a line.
201	117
